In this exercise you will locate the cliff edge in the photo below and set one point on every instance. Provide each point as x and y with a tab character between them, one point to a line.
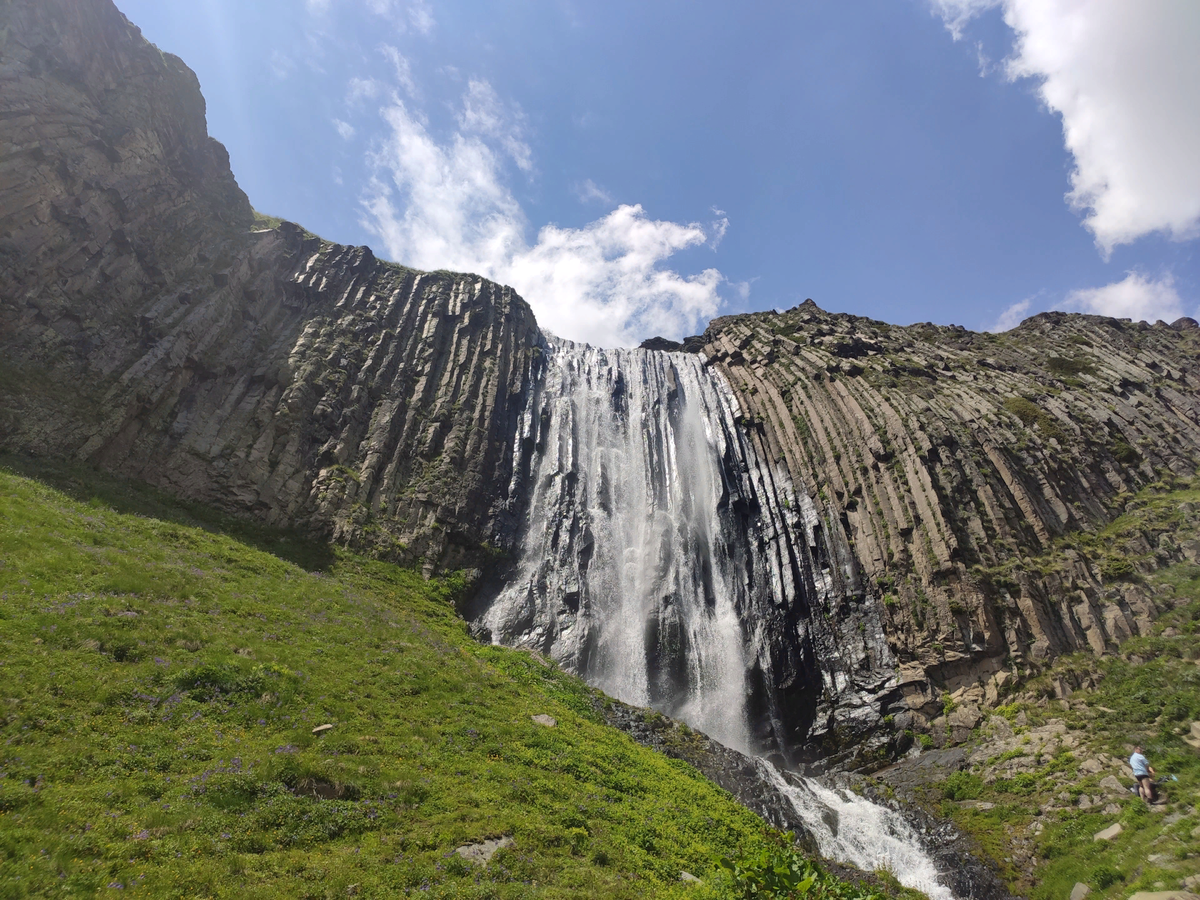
149	326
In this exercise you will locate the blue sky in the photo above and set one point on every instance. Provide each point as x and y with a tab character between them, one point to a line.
635	168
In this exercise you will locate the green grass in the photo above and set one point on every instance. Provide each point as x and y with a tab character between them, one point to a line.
1147	694
161	674
1145	691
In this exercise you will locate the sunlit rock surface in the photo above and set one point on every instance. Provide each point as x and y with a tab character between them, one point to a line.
947	459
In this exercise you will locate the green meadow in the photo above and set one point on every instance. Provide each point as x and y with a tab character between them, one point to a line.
162	671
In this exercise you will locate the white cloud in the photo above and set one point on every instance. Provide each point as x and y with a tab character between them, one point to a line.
281	64
417	15
1011	317
742	288
718	228
1134	297
420	16
957	13
345	129
361	89
1125	78
485	114
402	69
445	205
590	191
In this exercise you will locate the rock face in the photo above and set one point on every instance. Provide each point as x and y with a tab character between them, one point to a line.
670	563
152	324
947	460
149	327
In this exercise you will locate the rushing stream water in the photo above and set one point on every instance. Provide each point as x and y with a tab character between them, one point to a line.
669	565
852	829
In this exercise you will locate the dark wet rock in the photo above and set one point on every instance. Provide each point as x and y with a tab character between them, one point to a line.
912	775
957	858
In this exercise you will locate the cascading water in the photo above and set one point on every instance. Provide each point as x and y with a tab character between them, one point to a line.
852	829
669	565
651	557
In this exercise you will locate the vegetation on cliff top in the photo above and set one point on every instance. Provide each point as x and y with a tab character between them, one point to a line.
164	672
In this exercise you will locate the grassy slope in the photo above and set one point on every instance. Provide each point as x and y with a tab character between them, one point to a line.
1148	692
161	681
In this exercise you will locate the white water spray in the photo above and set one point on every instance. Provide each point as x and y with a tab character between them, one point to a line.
628	573
852	829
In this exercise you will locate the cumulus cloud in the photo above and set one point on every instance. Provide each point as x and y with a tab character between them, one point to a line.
1125	78
445	204
1134	297
1011	317
345	129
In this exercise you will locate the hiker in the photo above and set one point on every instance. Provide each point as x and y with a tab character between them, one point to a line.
1143	772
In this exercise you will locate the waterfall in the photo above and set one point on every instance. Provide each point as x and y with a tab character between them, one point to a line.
669	564
852	829
661	559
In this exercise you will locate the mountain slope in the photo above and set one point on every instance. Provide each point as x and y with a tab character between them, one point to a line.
150	326
163	682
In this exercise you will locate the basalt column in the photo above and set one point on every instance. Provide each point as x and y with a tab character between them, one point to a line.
666	563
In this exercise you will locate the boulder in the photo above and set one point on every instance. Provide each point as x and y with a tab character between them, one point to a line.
1112	784
482	852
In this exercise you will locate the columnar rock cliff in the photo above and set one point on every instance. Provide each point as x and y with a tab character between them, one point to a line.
148	326
153	325
948	460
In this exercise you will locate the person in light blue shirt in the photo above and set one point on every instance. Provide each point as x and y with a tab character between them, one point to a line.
1143	772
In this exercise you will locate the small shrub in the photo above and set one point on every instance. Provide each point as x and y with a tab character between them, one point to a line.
962	786
209	681
1031	414
1068	366
1116	568
1105	876
1125	454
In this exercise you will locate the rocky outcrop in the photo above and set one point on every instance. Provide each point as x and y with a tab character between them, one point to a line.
149	326
152	324
669	563
949	460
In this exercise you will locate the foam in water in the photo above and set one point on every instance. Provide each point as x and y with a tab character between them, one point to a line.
852	829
